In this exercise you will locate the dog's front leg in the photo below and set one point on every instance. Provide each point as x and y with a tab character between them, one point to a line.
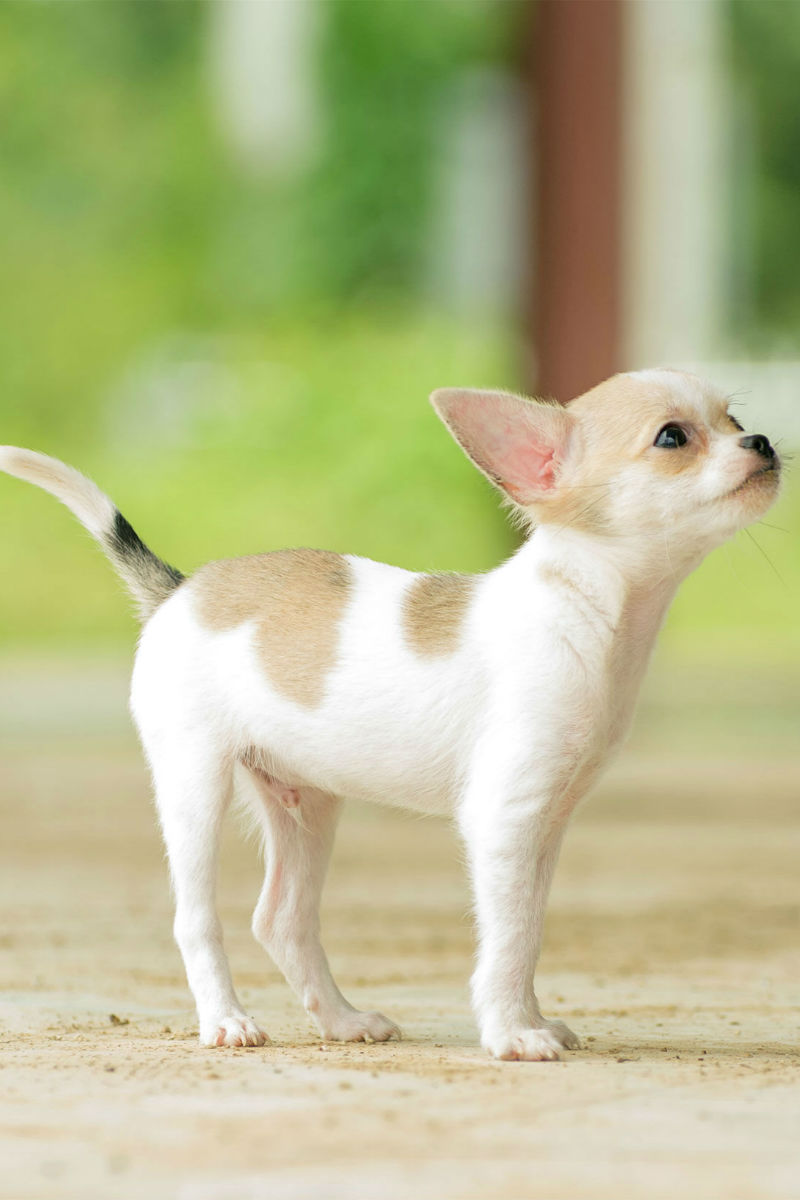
513	837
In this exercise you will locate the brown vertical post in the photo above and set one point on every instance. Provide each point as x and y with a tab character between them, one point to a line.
574	305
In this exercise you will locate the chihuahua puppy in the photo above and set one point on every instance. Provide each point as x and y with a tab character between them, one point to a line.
496	698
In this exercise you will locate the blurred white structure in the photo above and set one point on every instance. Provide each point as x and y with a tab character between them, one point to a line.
677	235
481	196
264	74
676	180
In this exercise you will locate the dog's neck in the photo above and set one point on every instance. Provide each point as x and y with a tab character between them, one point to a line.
625	588
611	606
623	568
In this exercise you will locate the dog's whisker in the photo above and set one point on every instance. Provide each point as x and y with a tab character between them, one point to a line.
765	556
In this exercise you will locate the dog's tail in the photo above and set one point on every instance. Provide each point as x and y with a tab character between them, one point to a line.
149	580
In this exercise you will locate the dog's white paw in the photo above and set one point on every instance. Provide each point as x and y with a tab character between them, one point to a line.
359	1027
563	1035
232	1031
525	1045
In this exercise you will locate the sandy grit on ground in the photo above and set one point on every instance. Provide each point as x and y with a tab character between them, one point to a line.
672	948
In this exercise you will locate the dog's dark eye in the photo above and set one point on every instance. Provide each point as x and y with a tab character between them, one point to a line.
733	421
670	437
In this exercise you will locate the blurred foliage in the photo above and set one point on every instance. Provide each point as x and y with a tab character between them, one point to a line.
106	200
243	363
356	228
122	216
765	55
384	70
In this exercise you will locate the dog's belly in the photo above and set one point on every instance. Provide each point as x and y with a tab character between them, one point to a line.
416	791
386	745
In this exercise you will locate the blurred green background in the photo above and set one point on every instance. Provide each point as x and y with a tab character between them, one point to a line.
240	353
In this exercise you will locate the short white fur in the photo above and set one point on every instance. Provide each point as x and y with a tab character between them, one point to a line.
506	733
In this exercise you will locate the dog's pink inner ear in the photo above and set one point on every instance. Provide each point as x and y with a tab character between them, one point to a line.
517	443
529	468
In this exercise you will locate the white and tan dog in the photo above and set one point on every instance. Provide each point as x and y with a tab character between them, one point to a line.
496	698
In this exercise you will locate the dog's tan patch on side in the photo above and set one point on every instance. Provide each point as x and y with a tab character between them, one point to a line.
434	611
296	598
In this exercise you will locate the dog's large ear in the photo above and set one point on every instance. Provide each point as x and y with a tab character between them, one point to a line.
520	445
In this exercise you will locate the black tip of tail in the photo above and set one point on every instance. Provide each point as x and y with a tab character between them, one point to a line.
126	543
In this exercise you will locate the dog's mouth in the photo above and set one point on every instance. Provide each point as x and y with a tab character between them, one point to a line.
769	473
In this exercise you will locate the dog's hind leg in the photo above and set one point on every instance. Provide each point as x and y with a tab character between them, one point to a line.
297	847
193	788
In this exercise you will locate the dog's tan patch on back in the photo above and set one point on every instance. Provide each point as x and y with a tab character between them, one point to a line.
296	599
434	611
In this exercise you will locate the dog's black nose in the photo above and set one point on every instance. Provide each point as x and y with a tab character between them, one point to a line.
757	442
